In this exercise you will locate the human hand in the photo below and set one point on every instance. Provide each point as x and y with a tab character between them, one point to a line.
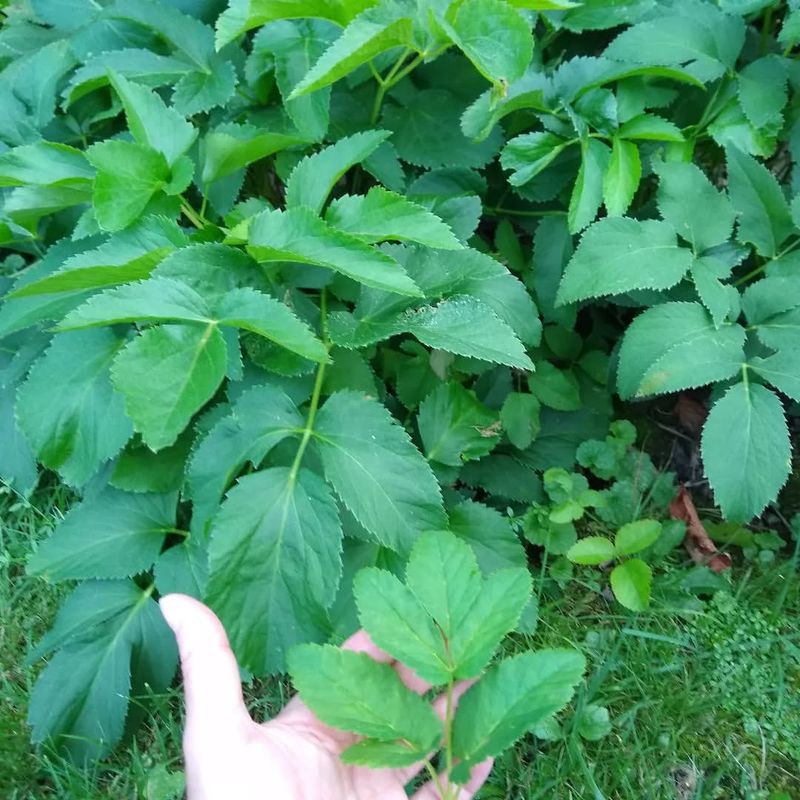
228	756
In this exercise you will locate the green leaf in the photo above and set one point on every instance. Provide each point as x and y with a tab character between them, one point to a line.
529	154
376	754
468	327
686	199
146	301
371	33
495	37
762	91
259	420
480	118
706	39
764	217
511	699
769	297
555	388
151	122
230	147
442	573
636	536
713	294
64	428
746	450
496	612
650	127
520	417
376	471
587	193
381	215
183	568
286	527
256	312
294	47
489	534
455	427
126	256
594	723
591	550
200	91
299	235
44	164
243	15
610	256
782	370
112	535
631	582
139	469
621	178
427	133
128	175
166	374
399	624
353	692
676	346
104	629
143	66
313	178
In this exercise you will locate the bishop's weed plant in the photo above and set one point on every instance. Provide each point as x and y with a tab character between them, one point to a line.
287	285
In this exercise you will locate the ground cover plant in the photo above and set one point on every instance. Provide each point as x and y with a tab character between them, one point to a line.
287	286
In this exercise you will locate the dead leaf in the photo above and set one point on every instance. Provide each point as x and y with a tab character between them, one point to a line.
691	414
697	541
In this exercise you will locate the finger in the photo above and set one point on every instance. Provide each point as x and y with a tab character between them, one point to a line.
360	642
214	702
477	777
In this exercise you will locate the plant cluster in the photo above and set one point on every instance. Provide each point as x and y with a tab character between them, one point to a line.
292	283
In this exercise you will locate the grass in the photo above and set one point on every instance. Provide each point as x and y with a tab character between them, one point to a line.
695	692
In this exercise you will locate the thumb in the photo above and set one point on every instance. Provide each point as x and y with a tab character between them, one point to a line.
214	702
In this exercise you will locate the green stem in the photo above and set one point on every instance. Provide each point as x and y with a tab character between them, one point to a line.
392	77
203	207
308	430
448	736
191	215
434	778
498	211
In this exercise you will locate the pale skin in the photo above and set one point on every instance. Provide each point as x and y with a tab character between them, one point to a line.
229	756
